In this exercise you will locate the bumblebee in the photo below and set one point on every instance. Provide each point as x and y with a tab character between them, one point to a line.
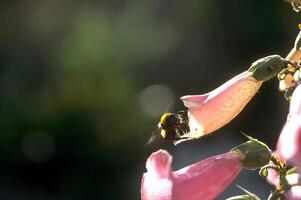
173	126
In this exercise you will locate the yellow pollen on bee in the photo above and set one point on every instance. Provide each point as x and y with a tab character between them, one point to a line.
164	116
163	133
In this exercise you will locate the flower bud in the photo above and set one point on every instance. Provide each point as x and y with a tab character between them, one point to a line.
257	154
268	67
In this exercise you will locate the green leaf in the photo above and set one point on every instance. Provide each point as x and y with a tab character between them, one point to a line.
240	197
276	196
263	172
250	194
291	171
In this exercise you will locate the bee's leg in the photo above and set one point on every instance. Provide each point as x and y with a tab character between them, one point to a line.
183	129
183	113
181	136
178	133
183	124
183	116
182	139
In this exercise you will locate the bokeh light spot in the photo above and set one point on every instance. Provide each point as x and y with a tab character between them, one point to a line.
156	99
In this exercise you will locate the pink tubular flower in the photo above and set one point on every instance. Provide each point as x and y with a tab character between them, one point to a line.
289	142
211	111
202	180
295	106
294	193
273	177
295	54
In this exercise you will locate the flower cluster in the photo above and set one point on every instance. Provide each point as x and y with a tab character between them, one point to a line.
288	149
208	112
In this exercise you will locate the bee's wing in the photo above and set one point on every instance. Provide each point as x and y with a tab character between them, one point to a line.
153	136
169	107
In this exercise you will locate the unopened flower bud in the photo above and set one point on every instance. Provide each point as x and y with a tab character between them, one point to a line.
268	67
257	154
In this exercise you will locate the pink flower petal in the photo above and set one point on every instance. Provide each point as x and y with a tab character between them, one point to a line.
208	178
293	179
159	163
202	180
273	177
156	183
213	110
289	142
295	105
294	193
295	54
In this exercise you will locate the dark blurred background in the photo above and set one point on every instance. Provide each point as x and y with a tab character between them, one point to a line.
83	84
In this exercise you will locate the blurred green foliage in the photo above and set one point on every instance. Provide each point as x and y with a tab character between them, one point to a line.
72	73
